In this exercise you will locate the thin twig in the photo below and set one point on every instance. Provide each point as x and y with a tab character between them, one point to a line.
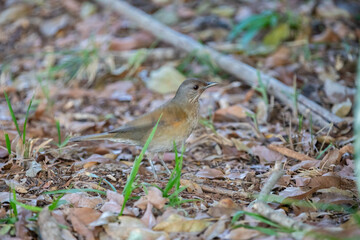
262	208
277	173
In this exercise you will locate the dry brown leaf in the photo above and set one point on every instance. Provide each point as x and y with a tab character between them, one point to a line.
216	229
331	158
13	184
242	234
137	40
328	36
114	203
3	153
347	149
49	228
327	181
233	113
266	155
93	160
148	218
80	219
82	199
224	207
191	186
307	164
210	173
279	58
177	223
154	197
289	153
335	195
296	193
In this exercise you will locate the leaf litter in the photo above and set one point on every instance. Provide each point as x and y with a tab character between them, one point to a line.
71	64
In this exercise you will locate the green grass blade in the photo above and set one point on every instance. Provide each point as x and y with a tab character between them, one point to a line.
26	118
8	143
255	216
12	114
324	151
55	204
128	186
102	179
75	191
58	131
27	207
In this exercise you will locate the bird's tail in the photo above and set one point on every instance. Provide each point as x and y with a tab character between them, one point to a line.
93	137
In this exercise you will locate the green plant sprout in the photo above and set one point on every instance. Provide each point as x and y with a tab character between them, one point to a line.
60	143
261	88
273	230
23	134
128	189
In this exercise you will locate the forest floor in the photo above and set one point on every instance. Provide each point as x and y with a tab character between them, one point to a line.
75	68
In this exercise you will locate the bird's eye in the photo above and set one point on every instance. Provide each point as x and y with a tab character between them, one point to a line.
196	87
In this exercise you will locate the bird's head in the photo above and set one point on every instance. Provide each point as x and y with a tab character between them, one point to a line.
191	89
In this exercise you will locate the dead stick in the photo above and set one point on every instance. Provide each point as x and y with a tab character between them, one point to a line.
289	153
246	73
262	208
276	174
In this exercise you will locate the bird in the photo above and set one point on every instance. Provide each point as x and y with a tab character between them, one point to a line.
179	117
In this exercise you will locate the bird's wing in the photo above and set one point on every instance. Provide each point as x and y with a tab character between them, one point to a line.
140	128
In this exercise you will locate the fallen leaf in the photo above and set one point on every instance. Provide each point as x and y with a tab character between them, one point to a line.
50	27
223	11
328	10
148	217
335	195
279	58
216	229
277	35
166	79
224	207
307	164
296	193
327	36
82	199
242	234
266	155
49	228
337	92
154	197
132	228
3	153
34	169
114	203
331	158
177	223
80	219
13	184
92	160
233	113
191	186
137	40
289	153
14	12
342	109
167	15
210	173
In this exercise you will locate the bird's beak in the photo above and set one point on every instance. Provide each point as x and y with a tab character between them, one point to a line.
210	84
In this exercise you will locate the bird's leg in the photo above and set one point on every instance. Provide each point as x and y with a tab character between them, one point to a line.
150	158
161	157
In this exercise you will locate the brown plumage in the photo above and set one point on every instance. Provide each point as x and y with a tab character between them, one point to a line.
179	118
